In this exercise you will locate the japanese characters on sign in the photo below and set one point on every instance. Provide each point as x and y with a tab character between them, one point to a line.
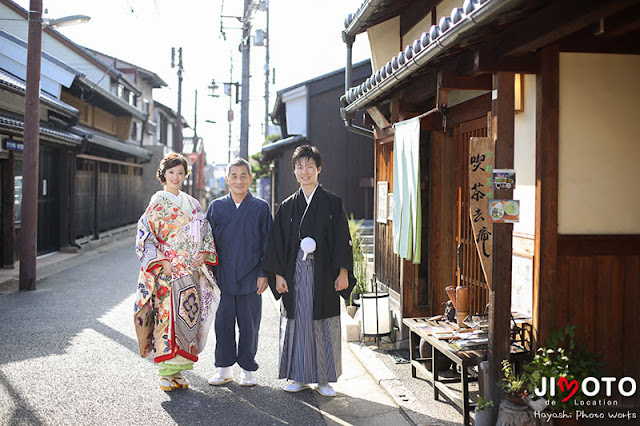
481	164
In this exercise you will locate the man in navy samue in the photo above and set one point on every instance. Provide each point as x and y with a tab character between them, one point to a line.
240	224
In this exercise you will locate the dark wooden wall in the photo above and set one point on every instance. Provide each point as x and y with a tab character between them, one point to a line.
347	157
115	199
598	289
387	264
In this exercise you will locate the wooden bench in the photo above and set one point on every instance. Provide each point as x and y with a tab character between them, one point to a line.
464	359
440	349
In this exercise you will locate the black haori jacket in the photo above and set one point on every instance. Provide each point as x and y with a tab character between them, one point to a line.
325	222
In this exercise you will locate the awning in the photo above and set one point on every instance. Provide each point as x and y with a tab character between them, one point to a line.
16	126
113	144
270	151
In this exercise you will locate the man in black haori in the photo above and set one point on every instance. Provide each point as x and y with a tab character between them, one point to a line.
310	252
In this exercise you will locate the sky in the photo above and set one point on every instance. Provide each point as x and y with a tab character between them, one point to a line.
305	43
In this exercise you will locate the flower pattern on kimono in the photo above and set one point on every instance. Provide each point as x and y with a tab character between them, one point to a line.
162	292
166	232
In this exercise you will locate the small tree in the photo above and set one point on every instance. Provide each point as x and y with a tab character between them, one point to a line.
359	259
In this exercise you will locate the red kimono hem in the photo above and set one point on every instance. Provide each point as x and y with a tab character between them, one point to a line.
187	355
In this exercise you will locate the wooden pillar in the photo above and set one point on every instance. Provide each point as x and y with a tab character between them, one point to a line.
546	233
502	128
73	167
8	221
96	202
65	196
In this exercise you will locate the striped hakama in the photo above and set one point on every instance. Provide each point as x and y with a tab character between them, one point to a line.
310	351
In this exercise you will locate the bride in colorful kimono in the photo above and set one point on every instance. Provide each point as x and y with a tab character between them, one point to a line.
177	296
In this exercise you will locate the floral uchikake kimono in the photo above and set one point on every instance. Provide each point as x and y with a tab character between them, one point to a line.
173	314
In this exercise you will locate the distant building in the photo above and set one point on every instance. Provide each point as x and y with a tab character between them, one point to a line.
309	112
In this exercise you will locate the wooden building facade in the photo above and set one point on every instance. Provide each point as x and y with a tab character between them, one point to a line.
90	172
553	83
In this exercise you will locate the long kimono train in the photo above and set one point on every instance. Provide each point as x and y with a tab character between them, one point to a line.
173	314
310	340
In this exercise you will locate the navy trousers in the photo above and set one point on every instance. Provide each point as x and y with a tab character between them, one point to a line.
246	311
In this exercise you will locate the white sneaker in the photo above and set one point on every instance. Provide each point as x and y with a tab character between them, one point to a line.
325	389
296	387
246	378
224	375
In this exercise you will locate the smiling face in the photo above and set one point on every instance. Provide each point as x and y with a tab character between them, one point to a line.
239	180
307	172
174	177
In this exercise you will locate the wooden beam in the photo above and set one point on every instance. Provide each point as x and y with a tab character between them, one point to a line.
557	20
474	108
545	275
420	89
500	296
622	23
395	109
378	117
599	245
384	135
586	41
485	61
450	80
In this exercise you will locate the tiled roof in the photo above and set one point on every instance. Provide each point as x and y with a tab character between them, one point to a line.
372	12
59	135
431	43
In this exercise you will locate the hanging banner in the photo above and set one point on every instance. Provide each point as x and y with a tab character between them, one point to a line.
481	163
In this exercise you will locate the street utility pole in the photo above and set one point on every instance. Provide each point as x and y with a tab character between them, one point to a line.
29	230
267	41
246	74
194	167
177	145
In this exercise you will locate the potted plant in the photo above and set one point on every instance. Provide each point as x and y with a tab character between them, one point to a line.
562	358
359	264
484	412
514	385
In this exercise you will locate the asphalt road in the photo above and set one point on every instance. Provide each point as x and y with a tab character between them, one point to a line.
68	355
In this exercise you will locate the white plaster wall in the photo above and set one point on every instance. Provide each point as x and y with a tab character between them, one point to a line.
525	159
599	147
385	42
296	108
444	8
416	32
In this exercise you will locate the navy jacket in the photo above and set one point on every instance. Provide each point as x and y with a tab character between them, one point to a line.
241	237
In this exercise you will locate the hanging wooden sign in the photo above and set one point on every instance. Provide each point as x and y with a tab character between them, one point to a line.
481	164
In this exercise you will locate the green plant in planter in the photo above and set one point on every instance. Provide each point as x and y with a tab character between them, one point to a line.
561	357
484	412
359	259
483	403
514	385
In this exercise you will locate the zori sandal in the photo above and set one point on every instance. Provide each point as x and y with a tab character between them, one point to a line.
166	384
180	382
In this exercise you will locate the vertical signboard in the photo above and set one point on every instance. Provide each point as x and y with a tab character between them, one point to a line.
481	164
